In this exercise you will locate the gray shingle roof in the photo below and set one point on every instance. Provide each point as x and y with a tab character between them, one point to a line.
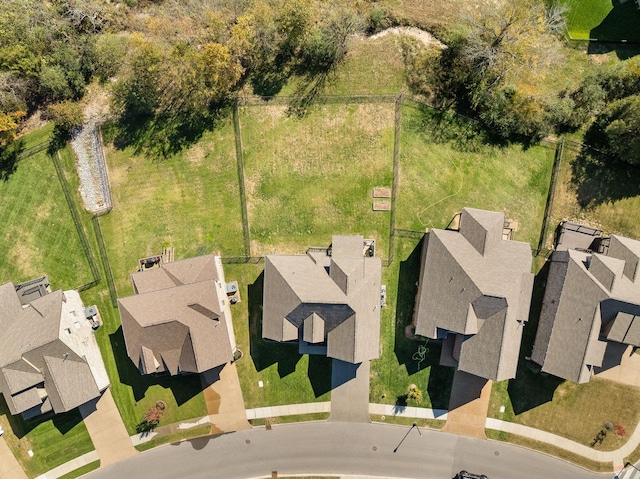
35	365
333	299
475	284
589	299
176	321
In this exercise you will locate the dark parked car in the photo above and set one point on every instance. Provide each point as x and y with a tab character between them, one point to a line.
468	475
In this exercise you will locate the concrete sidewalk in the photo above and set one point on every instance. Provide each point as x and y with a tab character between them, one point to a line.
70	466
616	457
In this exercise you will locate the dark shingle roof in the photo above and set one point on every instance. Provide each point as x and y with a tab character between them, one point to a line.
337	297
476	284
588	296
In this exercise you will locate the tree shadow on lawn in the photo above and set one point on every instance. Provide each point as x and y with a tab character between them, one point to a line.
162	136
286	356
408	351
63	422
531	388
600	179
183	387
9	156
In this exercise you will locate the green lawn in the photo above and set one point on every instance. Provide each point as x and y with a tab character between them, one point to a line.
446	165
190	201
401	362
575	411
53	442
603	19
309	178
38	235
287	376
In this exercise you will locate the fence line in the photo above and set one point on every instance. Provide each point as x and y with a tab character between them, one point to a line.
33	150
548	209
254	100
413	234
237	133
242	259
105	260
75	215
397	131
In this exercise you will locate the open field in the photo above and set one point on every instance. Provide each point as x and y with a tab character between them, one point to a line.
53	441
38	235
445	165
603	19
309	178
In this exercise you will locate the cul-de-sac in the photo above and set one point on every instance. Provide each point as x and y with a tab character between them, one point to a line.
320	239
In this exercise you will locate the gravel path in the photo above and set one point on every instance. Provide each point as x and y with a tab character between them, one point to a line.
90	164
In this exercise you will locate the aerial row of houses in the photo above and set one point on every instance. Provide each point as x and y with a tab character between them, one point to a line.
474	294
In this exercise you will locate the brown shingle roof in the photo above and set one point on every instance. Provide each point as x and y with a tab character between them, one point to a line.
176	324
474	283
337	295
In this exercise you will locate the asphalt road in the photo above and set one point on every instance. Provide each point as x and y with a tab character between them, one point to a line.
341	448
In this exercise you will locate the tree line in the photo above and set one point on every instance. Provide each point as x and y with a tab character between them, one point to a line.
501	68
171	58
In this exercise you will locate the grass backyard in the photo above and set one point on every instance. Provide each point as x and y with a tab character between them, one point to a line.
38	235
446	165
309	178
190	201
607	198
603	19
53	441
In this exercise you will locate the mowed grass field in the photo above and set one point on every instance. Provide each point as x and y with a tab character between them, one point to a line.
38	236
312	177
445	165
575	411
606	198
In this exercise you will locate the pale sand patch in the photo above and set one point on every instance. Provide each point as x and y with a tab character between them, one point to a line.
425	37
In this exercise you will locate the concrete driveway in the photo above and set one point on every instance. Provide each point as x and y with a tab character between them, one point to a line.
223	397
468	405
107	430
9	466
349	391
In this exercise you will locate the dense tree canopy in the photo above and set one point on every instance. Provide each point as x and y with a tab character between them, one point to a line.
178	57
